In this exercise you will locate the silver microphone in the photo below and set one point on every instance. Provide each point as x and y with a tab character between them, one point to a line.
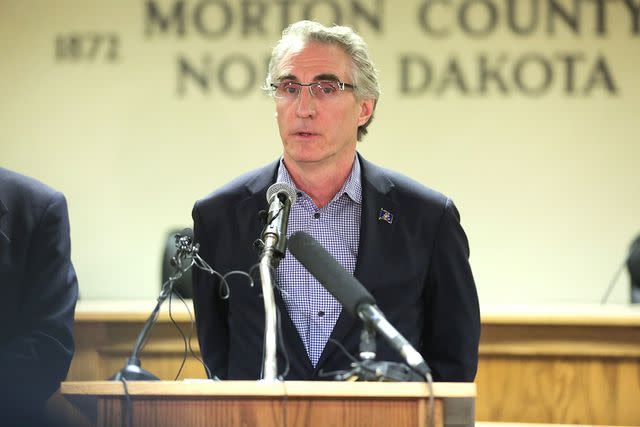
280	197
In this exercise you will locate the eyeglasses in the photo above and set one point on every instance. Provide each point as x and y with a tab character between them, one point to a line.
290	91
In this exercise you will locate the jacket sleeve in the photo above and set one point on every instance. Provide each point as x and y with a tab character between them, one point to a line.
37	359
210	309
452	315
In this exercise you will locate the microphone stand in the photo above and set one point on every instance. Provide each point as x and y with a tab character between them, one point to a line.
273	245
132	370
270	364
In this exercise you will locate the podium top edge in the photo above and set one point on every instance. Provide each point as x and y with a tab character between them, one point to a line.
257	388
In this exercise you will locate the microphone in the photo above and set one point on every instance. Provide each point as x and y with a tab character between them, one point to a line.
352	295
186	250
280	197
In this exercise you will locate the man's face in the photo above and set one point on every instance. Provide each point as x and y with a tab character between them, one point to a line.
319	131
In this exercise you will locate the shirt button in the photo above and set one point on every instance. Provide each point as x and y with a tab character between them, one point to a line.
316	215
321	313
299	193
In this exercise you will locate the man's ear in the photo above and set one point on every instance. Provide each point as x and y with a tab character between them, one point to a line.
366	110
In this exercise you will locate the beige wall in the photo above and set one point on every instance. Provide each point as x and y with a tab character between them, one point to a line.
547	185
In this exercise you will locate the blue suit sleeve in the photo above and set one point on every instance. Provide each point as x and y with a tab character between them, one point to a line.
452	318
210	309
37	359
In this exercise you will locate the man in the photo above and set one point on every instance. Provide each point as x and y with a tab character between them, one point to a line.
39	292
400	239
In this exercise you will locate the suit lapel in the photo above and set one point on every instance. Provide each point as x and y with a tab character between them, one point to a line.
376	229
4	232
375	242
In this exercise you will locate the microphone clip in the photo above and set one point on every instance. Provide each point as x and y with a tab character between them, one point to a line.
185	249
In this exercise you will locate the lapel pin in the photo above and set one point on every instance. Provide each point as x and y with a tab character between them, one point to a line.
385	215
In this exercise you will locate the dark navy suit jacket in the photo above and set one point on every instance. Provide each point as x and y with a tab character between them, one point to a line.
39	292
416	267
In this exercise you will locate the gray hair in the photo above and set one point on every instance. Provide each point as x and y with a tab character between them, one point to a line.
364	73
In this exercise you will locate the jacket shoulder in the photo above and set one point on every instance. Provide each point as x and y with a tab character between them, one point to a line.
403	188
240	188
20	192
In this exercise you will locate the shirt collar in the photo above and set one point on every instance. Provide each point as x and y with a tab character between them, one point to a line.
352	186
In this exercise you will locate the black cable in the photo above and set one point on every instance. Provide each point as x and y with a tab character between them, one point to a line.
255	267
191	351
126	417
223	291
356	363
363	367
165	291
344	350
431	399
184	339
282	346
285	405
276	215
240	273
187	339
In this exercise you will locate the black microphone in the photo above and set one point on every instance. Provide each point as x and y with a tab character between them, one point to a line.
185	249
352	295
280	197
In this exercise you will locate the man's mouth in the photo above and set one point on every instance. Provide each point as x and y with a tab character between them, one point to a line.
305	134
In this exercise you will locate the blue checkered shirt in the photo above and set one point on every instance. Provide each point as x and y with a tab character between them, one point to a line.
336	226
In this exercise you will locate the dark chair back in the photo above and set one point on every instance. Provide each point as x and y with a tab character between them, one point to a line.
183	284
633	265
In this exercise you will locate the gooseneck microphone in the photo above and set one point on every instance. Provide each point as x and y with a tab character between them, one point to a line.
186	257
352	295
280	197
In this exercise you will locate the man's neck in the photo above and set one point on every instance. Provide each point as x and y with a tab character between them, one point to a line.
320	182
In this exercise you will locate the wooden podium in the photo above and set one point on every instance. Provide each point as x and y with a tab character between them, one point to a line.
257	404
568	364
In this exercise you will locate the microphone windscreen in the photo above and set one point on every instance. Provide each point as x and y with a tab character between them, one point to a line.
281	187
333	276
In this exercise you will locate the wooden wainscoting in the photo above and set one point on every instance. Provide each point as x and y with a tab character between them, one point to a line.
560	364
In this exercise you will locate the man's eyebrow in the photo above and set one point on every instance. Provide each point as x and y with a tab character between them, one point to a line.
320	77
326	76
287	77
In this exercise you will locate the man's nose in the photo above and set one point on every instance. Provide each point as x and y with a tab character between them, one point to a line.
306	103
